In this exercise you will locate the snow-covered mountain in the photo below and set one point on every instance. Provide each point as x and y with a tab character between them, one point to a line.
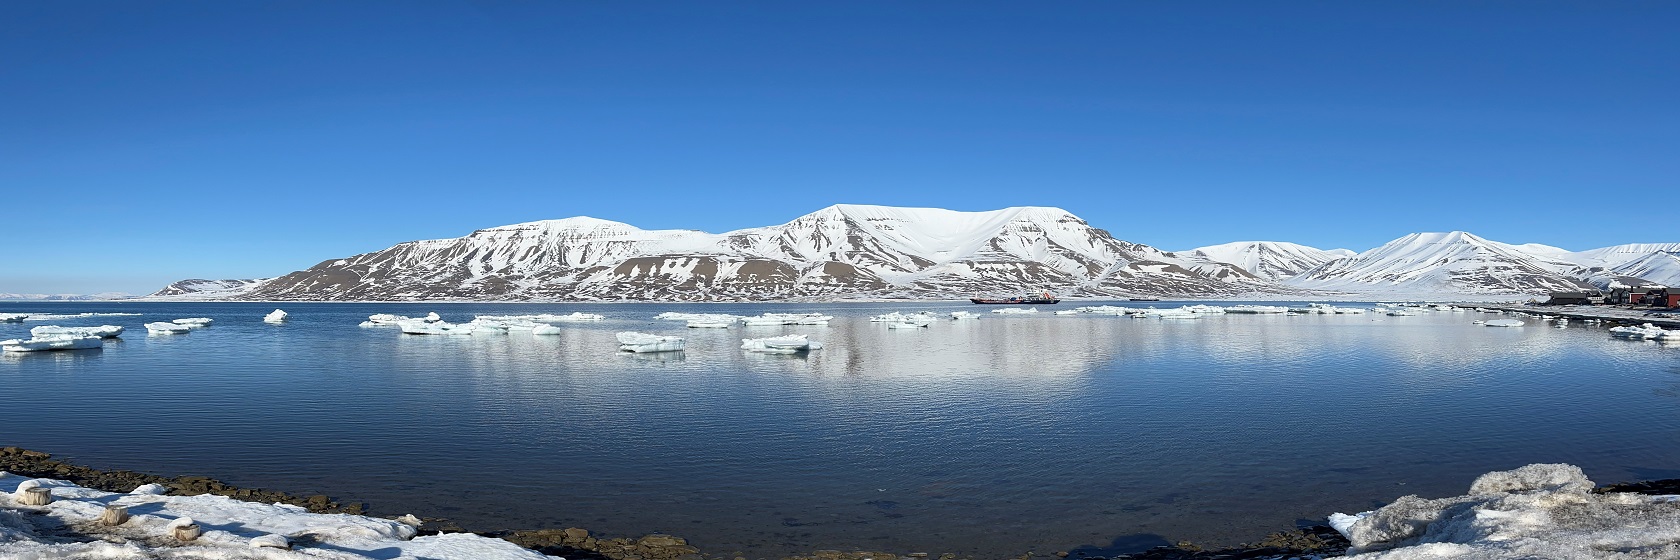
1661	267
1617	255
1271	260
102	296
1454	262
839	251
200	289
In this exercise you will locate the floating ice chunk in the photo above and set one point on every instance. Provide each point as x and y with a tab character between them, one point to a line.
422	326
36	317
1106	310
166	328
574	317
52	342
102	331
911	322
1645	331
1068	312
546	330
13	317
642	342
194	322
1257	309
275	317
385	320
788	344
958	315
1504	323
773	319
1015	311
710	323
1204	309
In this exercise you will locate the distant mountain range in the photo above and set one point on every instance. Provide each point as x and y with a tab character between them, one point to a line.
103	296
856	251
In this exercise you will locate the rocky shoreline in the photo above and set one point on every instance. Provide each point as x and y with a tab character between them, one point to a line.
1319	541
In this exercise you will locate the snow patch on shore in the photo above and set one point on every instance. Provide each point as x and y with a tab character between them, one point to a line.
233	529
1537	511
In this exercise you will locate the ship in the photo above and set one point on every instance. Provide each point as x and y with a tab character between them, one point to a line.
1041	299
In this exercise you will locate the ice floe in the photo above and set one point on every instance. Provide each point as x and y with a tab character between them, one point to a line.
788	344
643	342
546	330
1537	511
1646	331
389	320
1257	309
161	327
1015	310
773	319
1504	323
1106	310
230	530
959	315
422	326
37	317
275	317
194	322
102	331
52	342
574	317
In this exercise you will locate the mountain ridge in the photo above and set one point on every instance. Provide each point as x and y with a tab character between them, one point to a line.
883	252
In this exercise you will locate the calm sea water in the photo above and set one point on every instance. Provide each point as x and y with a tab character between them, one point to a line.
992	437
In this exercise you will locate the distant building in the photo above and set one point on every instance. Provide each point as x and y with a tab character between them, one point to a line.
1626	295
1663	297
1590	297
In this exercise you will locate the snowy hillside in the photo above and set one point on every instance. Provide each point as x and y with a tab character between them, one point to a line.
839	251
1659	267
1271	260
1454	262
102	296
196	289
1617	255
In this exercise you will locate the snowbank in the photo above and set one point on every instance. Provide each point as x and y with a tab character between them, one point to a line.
1537	511
232	529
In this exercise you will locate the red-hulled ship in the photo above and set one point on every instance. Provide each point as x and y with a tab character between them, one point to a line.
1041	299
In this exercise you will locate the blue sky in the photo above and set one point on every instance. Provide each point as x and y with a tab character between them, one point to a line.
145	142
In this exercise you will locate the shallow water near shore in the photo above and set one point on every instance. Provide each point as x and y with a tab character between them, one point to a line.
992	437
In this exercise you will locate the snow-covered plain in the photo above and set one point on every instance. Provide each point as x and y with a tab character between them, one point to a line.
68	527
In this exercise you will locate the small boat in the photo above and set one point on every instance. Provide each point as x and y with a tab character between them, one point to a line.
1044	298
276	317
789	344
53	342
1143	299
13	317
167	328
102	331
643	342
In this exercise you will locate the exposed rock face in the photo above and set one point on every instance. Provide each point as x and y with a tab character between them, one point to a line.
840	251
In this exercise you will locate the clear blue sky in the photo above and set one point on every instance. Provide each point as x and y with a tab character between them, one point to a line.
144	142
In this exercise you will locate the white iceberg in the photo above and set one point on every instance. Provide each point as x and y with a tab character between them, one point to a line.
1106	310
1645	331
1257	309
1504	323
389	320
166	328
642	342
773	319
789	344
1204	309
1537	511
1015	311
232	530
422	326
911	322
52	342
194	322
275	317
102	331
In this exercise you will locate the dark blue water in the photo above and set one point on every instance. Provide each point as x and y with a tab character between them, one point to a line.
997	437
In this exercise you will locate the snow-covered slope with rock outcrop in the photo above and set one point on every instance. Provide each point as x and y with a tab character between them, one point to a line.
1444	263
1272	260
